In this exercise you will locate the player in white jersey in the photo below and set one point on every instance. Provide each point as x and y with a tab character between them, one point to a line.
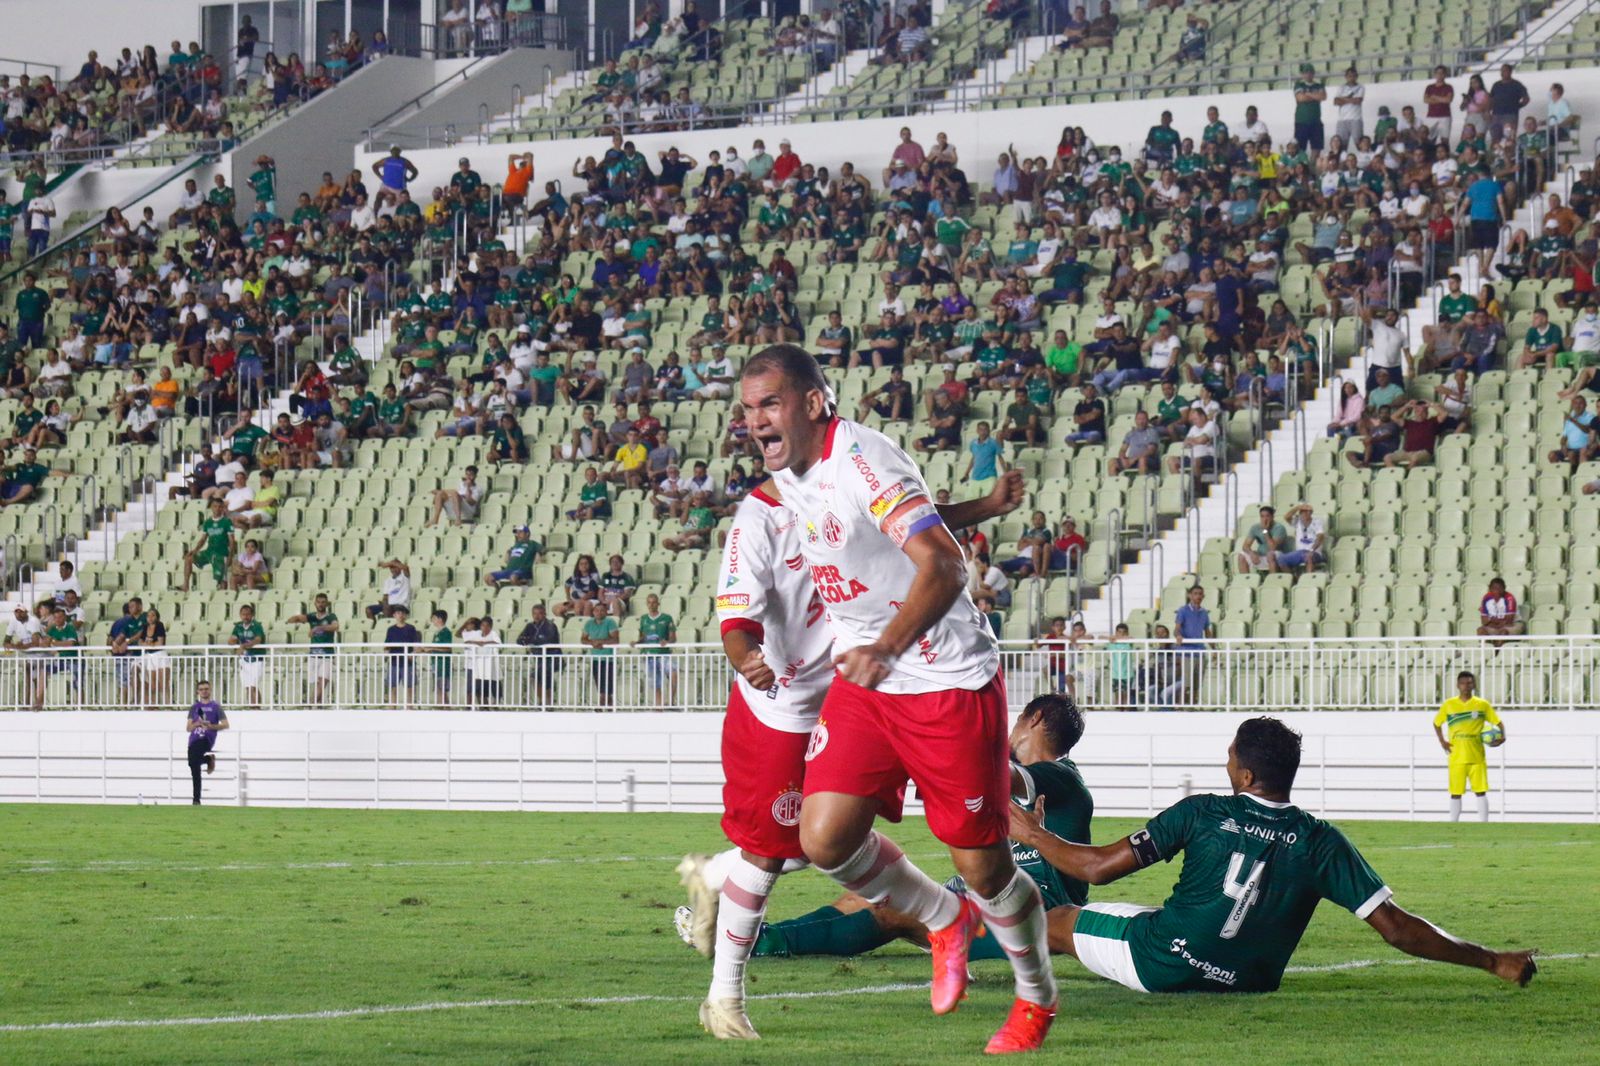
918	694
774	635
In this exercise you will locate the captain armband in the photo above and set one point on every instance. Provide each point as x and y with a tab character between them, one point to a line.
1145	852
909	521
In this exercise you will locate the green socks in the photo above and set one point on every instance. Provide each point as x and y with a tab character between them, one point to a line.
825	931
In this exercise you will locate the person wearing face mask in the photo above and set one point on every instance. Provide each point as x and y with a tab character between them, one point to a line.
1583	339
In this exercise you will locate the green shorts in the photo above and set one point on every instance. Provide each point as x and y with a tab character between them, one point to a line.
217	560
1578	359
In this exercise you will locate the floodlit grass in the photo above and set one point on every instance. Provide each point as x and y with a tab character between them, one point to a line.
142	914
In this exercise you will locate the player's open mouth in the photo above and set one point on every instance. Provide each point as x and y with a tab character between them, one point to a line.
770	447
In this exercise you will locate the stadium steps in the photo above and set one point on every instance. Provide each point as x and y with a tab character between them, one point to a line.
1556	20
993	74
139	516
837	76
544	100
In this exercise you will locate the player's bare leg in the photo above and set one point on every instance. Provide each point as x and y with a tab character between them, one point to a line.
836	833
1014	913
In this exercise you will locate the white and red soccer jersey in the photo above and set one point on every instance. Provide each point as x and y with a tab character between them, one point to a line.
1499	608
858	505
765	587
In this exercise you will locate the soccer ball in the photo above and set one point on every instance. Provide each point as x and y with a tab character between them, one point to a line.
1494	736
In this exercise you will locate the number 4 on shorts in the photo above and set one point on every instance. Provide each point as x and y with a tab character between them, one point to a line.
1243	893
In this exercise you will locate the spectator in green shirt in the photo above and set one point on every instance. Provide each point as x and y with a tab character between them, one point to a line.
697	525
656	631
31	304
600	634
22	480
1309	93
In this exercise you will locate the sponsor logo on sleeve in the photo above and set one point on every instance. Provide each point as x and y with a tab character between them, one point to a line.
733	601
884	502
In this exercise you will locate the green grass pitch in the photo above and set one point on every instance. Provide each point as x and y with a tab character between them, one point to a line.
142	914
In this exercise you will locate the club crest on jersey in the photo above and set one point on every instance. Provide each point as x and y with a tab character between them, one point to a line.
733	601
832	531
786	808
819	740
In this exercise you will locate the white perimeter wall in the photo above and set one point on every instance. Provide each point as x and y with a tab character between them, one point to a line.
981	135
1379	765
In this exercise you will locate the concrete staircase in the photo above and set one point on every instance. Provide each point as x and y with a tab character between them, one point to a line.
992	74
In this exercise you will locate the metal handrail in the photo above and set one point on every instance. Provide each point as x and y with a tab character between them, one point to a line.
1158	569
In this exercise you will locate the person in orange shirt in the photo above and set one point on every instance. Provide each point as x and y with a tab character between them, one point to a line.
514	190
164	393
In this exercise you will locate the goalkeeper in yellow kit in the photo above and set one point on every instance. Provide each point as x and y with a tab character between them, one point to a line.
1460	726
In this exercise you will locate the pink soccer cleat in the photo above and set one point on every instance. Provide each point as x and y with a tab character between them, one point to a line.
950	946
1024	1030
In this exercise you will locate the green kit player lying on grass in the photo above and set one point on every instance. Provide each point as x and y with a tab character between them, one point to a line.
1254	869
1044	735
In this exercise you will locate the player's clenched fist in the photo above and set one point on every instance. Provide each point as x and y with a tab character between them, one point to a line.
866	666
1008	492
755	670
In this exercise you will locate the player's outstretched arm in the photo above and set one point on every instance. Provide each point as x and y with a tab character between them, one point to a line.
1084	862
1420	937
1005	497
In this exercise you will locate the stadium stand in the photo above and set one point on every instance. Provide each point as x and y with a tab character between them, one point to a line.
1161	301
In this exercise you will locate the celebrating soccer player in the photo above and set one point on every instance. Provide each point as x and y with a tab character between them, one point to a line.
1254	868
773	633
918	693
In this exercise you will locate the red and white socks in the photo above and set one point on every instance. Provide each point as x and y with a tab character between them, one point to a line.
744	902
880	872
1016	919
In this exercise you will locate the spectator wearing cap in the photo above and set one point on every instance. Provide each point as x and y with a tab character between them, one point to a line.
785	168
1307	542
520	559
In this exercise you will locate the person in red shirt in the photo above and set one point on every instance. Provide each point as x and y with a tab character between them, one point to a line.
1068	550
1422	426
785	168
1438	95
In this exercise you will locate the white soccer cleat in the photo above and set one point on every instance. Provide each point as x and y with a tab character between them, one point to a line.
725	1019
683	922
703	903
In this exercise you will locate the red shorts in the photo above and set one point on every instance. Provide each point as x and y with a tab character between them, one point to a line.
952	744
764	769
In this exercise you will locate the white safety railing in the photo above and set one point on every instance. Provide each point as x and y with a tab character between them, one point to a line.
1379	674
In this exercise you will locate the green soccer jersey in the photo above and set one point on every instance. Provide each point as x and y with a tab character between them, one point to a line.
1253	873
27	420
321	643
392	412
1453	307
67	632
31	304
1067	810
1548	337
8	219
247	439
522	556
262	182
218	532
654	631
243	631
1306	111
441	640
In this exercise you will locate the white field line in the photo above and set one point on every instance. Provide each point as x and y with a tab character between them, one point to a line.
595	1001
48	866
